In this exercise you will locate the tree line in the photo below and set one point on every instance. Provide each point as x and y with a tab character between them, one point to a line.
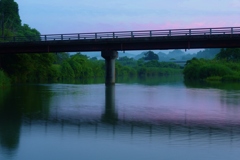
224	67
80	66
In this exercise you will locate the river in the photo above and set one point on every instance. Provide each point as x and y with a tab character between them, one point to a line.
152	118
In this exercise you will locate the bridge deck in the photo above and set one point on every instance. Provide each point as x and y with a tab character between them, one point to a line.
227	37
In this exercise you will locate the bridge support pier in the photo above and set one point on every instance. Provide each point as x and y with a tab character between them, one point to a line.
109	56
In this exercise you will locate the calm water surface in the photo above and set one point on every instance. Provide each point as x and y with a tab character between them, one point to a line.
161	118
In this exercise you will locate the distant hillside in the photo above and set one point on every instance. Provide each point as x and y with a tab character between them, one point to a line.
139	56
121	54
162	56
179	55
98	54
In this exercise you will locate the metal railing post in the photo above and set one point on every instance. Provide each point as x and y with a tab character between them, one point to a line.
61	37
132	34
190	32
231	30
78	36
95	35
45	37
210	31
170	33
150	33
113	35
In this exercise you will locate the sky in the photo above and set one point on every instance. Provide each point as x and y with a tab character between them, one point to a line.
78	16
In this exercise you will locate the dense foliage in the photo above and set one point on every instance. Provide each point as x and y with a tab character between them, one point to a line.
148	68
79	66
21	67
225	67
10	19
4	80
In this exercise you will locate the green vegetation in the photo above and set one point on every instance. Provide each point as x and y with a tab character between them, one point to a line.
4	80
21	67
156	68
79	67
129	67
225	67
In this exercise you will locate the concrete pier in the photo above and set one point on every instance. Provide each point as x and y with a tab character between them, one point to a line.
109	57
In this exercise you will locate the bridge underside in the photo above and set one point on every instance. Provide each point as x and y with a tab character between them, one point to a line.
121	44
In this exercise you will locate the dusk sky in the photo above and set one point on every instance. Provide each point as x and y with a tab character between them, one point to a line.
76	16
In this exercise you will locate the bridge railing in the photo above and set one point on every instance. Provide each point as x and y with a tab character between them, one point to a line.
126	34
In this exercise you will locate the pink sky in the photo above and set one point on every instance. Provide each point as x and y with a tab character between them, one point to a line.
72	16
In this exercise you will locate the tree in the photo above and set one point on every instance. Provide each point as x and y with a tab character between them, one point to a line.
150	55
67	71
28	34
208	53
125	61
10	17
229	54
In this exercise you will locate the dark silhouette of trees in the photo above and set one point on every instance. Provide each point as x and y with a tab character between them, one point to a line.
150	55
229	54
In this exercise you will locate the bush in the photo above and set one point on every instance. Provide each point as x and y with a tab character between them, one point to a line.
55	72
192	69
212	70
4	80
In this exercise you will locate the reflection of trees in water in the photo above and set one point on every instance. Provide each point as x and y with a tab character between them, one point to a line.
230	98
151	80
10	123
230	95
216	85
9	134
16	103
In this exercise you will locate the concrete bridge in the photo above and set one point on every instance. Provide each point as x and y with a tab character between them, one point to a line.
111	42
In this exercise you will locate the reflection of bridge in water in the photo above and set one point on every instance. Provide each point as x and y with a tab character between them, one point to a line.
110	121
188	129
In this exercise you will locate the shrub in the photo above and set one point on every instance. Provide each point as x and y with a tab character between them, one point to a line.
4	80
210	70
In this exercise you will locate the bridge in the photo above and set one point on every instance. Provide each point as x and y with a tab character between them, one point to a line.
111	42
